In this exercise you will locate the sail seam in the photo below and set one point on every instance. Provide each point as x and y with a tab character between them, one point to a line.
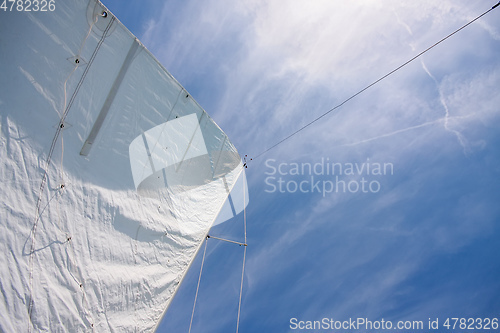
49	158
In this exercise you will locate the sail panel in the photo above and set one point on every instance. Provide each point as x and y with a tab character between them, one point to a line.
112	174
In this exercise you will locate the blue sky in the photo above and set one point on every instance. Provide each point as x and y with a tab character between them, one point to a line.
425	244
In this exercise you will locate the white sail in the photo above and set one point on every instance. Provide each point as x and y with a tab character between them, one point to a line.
111	175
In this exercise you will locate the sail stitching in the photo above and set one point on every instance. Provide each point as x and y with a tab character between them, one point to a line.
49	157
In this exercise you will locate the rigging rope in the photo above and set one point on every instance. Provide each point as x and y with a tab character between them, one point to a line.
227	240
198	286
244	244
241	289
244	254
375	82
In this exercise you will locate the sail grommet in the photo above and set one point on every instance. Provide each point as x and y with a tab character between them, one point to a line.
97	18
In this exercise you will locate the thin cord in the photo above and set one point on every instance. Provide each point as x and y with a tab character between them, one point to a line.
198	286
227	240
241	289
375	82
87	35
244	253
244	207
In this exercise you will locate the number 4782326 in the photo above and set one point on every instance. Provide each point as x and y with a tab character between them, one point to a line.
471	323
28	5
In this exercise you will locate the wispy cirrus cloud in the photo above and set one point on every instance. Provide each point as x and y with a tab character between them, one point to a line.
272	68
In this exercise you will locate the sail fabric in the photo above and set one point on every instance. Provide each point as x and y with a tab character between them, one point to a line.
111	175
